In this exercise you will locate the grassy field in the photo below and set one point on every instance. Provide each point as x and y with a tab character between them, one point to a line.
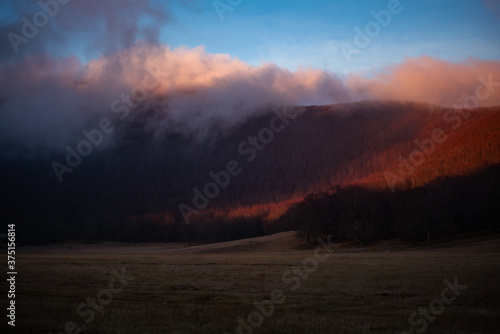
207	290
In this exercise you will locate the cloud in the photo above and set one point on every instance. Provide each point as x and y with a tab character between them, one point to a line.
47	100
430	80
50	100
95	27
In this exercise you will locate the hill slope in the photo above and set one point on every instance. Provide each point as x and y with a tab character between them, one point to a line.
143	172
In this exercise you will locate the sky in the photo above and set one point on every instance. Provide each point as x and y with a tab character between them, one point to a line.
296	34
64	63
310	33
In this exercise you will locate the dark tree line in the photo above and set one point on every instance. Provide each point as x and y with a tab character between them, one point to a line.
444	207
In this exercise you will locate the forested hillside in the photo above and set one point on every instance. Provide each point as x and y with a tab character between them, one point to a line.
132	188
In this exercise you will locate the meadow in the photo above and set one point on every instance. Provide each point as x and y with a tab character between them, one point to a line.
255	288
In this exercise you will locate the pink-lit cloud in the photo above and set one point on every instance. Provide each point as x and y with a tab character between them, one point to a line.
48	98
48	101
431	80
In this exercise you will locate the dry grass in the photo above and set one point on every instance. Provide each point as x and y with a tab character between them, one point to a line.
176	292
